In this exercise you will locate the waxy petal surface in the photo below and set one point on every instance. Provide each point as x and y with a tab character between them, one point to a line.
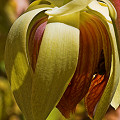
116	3
18	70
89	54
94	94
99	82
113	79
56	64
114	71
70	7
116	99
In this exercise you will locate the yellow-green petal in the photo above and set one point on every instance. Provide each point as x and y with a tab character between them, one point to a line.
38	7
56	64
116	99
112	10
110	89
54	115
17	67
70	7
38	4
59	3
94	5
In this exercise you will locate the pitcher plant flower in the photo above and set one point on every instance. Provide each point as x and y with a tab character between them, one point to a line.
61	51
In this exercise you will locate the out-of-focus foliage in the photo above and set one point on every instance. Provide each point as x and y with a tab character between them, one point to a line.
10	10
8	107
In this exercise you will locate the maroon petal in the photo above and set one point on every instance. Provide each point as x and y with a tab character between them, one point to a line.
35	39
95	92
91	46
98	84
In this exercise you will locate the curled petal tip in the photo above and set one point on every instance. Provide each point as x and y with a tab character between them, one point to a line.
112	10
91	61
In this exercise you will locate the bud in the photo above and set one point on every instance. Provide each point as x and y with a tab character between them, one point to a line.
56	55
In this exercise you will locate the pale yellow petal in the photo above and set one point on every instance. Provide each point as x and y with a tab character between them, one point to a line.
70	7
17	67
55	67
116	99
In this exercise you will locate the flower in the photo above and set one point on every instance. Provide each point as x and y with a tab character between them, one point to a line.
59	52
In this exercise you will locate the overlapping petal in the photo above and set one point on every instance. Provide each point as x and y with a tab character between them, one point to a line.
116	99
38	90
115	67
63	51
17	66
70	7
56	64
98	83
114	76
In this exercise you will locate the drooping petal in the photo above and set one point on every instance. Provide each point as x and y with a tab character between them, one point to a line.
114	73
38	4
116	22
98	84
116	99
18	70
95	92
54	115
58	3
56	63
108	93
112	10
70	7
112	82
89	54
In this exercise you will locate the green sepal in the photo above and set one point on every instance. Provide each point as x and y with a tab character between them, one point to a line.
112	84
71	7
38	4
18	70
56	63
116	99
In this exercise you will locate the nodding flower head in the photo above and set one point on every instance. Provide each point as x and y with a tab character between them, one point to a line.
59	52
